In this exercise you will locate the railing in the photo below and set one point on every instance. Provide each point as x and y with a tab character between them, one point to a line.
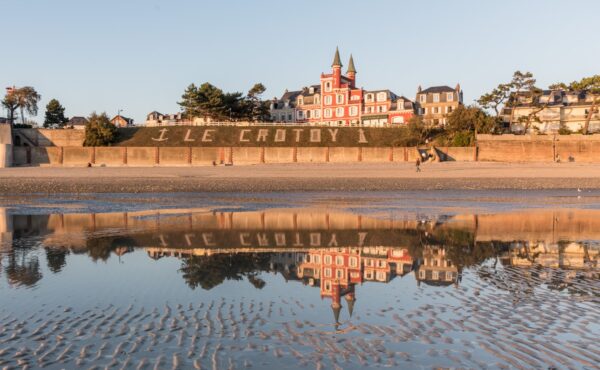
290	124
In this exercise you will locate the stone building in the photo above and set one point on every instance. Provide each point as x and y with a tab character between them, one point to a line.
436	102
550	110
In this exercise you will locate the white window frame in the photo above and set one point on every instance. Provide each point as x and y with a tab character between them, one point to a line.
339	99
422	98
328	100
353	111
328	86
382	96
449	96
436	98
339	112
327	113
369	98
339	260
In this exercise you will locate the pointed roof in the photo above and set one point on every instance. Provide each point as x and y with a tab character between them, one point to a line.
336	59
351	67
350	299
336	312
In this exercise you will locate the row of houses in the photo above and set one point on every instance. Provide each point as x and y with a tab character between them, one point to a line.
79	122
337	101
550	110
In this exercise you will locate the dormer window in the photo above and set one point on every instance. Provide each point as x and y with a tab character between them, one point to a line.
287	103
382	96
423	98
436	98
311	90
449	96
369	98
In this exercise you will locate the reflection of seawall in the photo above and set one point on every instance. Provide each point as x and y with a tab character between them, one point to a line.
537	225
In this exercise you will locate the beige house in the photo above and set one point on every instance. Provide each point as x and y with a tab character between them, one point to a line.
284	109
435	103
121	121
552	109
436	268
154	119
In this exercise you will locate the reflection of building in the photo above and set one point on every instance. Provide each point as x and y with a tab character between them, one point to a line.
436	268
337	270
563	255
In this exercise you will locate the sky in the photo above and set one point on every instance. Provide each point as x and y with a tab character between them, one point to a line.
139	55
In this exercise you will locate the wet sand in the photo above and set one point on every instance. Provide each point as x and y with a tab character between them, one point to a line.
300	177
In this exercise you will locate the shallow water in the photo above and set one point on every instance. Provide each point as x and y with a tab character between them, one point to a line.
276	282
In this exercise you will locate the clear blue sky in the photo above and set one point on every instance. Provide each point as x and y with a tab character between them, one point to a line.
139	55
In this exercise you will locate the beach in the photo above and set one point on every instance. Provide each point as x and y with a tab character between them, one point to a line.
301	177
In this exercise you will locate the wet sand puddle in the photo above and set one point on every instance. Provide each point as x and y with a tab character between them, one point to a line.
422	296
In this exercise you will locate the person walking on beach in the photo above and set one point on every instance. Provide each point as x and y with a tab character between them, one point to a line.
418	164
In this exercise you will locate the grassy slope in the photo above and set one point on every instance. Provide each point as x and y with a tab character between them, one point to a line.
229	136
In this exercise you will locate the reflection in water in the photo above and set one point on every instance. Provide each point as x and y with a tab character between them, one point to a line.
469	275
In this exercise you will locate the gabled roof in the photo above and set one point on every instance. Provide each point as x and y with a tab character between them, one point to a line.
437	89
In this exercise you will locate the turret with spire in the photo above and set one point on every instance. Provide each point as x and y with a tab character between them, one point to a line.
337	69
351	73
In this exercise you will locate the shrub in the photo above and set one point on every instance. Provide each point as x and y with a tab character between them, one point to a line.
99	131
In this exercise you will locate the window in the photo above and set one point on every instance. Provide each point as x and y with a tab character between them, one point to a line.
339	99
423	98
327	260
328	86
449	96
328	286
283	117
317	259
353	111
339	260
300	114
328	100
327	272
317	113
382	96
317	99
339	112
353	262
436	98
369	98
300	101
435	110
327	113
289	117
339	273
355	97
368	109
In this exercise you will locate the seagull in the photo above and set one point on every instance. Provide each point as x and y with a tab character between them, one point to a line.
578	190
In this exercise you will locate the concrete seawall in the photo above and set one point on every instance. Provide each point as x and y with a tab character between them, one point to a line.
198	156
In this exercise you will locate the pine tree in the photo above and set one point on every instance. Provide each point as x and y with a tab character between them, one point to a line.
55	114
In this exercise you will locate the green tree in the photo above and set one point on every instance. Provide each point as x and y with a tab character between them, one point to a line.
55	114
11	104
99	131
24	99
189	102
591	85
466	121
494	99
28	101
258	109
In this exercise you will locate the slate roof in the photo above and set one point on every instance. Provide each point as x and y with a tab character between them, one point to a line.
437	89
77	121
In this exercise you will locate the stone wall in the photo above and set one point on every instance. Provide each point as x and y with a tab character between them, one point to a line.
48	137
539	148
